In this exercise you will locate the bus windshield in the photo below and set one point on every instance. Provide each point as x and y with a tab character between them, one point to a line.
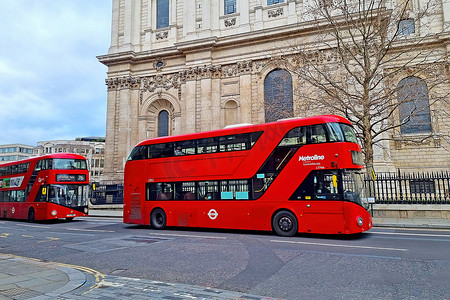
347	184
340	132
69	164
68	195
354	190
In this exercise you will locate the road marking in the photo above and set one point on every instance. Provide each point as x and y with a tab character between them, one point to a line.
337	245
4	235
89	230
36	226
101	219
412	234
26	235
191	236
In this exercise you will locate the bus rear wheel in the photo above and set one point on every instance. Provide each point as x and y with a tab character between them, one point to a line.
284	223
158	219
31	215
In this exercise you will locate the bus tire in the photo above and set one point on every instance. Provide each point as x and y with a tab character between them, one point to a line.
284	223
31	215
158	219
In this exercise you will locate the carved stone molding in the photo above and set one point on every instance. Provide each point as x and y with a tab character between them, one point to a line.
230	22
275	13
162	35
123	82
162	82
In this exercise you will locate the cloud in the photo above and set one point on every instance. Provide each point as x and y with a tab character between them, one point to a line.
52	85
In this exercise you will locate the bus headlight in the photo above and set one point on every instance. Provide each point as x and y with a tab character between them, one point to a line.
54	213
360	221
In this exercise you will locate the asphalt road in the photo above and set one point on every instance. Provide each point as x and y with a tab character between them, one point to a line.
383	263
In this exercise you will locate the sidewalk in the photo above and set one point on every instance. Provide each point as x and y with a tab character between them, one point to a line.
430	223
25	278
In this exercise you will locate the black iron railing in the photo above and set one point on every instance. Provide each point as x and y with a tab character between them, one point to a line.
410	188
386	188
106	193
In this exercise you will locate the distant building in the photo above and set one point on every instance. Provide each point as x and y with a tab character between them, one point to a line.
15	152
93	148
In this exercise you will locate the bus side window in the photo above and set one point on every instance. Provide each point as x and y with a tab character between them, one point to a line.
317	134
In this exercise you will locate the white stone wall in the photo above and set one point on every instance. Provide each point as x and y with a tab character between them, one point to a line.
208	69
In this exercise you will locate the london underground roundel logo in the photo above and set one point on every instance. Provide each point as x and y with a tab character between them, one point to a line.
212	214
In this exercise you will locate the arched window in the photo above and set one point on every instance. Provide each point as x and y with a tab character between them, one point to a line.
414	107
163	123
278	103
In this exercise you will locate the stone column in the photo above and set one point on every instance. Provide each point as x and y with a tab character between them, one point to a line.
131	38
189	19
244	18
245	98
259	15
110	141
123	131
206	113
446	18
216	112
190	109
292	12
114	27
206	18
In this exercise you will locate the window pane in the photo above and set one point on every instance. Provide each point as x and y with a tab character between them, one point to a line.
349	133
414	108
230	6
318	134
296	136
270	2
278	101
163	123
162	14
406	27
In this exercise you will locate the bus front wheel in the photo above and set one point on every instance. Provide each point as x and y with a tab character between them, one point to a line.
284	223
158	219
31	215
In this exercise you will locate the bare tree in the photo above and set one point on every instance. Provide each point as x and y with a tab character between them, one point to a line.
368	62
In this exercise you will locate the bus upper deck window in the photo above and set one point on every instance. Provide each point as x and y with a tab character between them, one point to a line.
318	134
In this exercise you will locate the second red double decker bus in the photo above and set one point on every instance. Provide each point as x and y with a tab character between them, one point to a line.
42	188
290	176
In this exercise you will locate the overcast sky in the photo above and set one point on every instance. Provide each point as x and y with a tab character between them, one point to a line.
51	83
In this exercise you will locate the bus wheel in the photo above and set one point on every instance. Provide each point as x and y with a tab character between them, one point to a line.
284	223
31	215
158	219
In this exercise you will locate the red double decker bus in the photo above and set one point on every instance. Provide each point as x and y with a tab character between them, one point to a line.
290	176
43	188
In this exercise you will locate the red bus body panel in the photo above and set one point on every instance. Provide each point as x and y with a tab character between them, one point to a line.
314	216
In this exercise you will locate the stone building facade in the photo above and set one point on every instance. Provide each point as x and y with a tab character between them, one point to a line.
182	66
